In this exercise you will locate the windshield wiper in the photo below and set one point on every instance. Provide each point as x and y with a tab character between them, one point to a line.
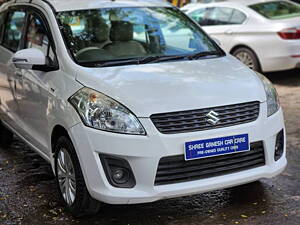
114	63
155	59
135	61
150	59
204	54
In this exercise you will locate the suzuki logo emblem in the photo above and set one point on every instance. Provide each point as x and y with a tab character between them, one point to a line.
212	117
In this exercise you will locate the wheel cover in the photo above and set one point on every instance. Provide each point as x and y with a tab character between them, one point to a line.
245	58
66	176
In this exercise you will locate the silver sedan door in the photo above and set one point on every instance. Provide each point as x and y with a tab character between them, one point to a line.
223	23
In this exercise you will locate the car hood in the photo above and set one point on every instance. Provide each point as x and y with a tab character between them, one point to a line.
183	85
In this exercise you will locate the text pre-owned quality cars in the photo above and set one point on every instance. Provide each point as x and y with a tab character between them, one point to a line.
126	109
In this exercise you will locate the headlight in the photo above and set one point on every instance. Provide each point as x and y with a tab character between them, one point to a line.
101	112
272	96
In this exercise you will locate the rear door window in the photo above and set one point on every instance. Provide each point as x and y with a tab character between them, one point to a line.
199	16
277	10
220	16
13	30
224	16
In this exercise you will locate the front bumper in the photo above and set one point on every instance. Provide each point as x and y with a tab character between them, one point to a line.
144	152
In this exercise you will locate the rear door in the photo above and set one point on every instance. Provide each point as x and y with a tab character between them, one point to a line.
11	81
224	23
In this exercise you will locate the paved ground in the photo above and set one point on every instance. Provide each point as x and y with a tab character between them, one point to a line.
28	192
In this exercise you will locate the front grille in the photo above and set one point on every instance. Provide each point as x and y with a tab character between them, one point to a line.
196	120
175	169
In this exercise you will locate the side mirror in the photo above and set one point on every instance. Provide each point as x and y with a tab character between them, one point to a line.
32	59
29	58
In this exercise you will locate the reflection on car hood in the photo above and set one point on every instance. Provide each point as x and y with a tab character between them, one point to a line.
176	86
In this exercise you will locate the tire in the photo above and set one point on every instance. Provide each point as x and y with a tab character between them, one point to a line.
6	136
248	57
80	203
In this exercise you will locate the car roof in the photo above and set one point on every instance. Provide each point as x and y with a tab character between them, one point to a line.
66	5
229	3
232	3
70	5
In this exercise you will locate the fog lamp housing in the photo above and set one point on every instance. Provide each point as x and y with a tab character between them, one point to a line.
279	146
118	171
120	175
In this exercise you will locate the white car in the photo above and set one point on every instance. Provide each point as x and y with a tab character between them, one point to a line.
124	113
196	3
265	35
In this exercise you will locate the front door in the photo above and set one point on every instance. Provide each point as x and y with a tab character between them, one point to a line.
37	95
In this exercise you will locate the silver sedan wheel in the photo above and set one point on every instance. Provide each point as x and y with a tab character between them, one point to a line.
245	58
66	176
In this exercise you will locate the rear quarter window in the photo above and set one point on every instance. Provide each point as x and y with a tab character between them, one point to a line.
277	9
237	17
13	30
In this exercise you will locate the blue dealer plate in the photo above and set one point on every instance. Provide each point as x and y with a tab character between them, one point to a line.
216	146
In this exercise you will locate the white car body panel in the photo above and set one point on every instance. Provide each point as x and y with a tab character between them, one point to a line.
147	89
41	104
259	34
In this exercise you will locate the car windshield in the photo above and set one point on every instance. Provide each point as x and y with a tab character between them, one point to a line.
277	9
115	34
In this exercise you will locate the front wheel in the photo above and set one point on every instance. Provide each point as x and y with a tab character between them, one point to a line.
248	57
70	181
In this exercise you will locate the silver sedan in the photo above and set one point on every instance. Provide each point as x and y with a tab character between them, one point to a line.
265	35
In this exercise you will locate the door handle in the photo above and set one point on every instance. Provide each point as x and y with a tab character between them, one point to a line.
228	32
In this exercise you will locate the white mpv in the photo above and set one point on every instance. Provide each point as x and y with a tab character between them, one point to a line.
126	109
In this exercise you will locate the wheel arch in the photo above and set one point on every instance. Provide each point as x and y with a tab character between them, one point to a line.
57	132
233	49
